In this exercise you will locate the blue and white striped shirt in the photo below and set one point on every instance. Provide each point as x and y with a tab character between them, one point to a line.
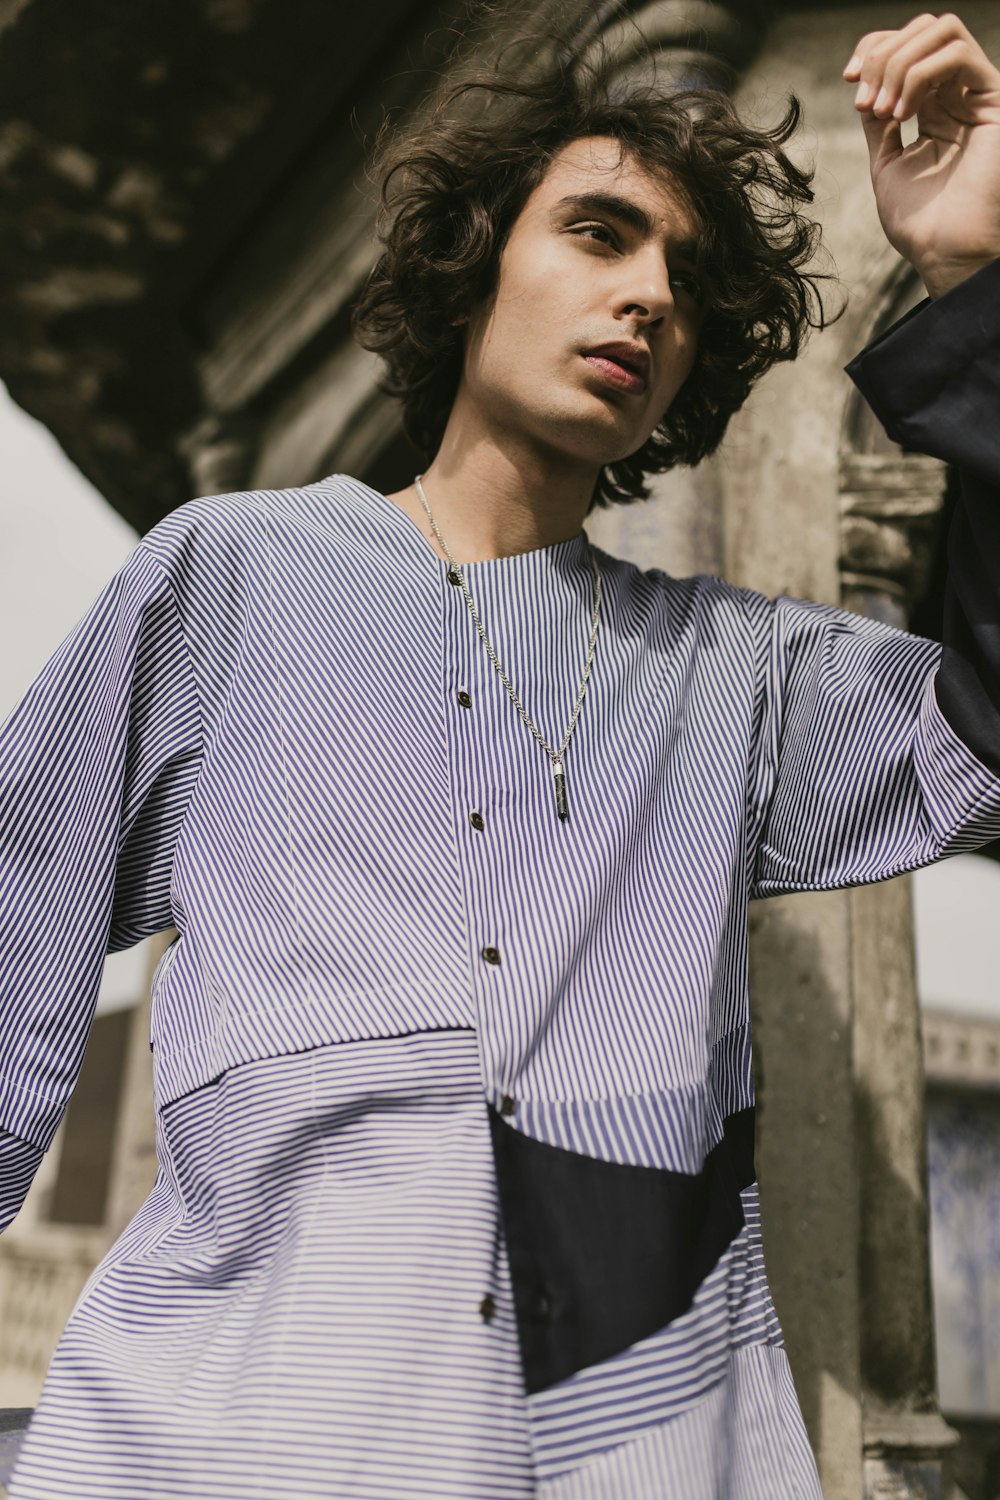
271	731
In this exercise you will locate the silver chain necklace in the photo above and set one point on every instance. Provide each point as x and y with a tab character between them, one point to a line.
557	757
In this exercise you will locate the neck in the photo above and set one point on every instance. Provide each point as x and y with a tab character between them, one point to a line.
494	499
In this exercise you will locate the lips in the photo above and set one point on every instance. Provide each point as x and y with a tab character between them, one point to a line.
623	365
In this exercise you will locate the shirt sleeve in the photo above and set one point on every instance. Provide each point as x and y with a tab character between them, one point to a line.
879	751
859	776
97	765
18	1164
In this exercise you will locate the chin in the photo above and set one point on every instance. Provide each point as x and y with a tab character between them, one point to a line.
615	453
598	442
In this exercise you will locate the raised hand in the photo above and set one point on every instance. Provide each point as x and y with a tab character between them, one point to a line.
939	197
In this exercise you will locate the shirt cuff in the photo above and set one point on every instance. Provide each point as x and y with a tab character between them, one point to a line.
961	795
18	1164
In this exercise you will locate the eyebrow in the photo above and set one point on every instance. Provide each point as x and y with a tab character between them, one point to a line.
625	211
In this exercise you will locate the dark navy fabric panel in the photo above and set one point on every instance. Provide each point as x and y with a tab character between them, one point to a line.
604	1254
968	683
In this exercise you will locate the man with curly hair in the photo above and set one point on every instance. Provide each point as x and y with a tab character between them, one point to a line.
458	819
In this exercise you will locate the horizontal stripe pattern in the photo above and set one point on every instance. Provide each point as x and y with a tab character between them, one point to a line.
742	1440
271	730
666	1130
297	1312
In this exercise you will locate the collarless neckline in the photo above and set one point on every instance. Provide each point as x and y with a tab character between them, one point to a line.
567	549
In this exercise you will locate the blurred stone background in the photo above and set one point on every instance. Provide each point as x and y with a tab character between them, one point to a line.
185	221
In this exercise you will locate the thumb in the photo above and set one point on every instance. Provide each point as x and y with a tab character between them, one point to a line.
885	140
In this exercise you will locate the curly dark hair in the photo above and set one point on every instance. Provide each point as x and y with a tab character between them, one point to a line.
452	191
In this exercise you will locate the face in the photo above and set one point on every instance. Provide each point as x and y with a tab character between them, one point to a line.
594	324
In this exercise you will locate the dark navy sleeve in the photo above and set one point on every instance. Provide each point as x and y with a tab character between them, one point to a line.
933	380
97	764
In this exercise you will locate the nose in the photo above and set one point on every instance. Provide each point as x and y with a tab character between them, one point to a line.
644	289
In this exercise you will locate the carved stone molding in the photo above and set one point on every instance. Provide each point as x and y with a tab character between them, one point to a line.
896	1474
889	507
135	178
677	43
219	452
963	1051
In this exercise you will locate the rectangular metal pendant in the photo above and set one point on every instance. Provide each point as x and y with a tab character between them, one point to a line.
560	780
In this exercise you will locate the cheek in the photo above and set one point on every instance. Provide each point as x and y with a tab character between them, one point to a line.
681	365
520	337
687	351
680	368
541	292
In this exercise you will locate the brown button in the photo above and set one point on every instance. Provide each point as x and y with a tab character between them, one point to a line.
464	699
453	577
476	819
491	955
507	1105
487	1308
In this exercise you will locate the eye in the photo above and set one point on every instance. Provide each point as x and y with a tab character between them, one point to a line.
599	233
689	284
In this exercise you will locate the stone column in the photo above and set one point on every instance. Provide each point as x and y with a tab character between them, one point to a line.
888	501
134	1167
675	43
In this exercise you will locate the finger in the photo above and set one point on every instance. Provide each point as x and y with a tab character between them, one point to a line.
875	44
942	51
885	141
947	66
944	116
956	65
888	63
913	40
864	46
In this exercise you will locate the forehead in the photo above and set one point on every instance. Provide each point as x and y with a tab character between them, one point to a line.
601	164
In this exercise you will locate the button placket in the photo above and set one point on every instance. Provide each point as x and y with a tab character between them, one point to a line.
474	772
